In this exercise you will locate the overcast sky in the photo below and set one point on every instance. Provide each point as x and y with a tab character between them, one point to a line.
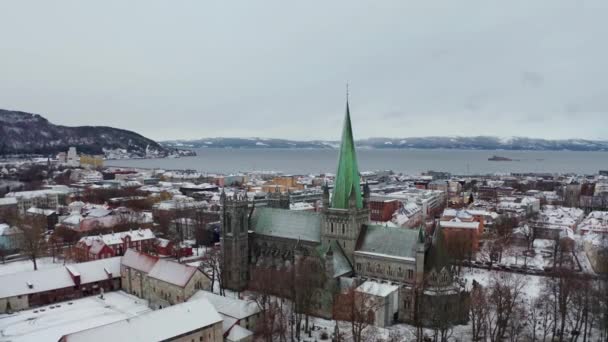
191	69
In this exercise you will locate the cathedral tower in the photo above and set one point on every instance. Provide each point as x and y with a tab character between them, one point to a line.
235	241
347	211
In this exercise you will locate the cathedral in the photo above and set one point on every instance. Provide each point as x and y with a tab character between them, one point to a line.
340	236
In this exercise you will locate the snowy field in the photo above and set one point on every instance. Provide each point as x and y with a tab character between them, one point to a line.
56	320
26	265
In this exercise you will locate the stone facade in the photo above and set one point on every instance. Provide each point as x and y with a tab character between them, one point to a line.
235	242
161	294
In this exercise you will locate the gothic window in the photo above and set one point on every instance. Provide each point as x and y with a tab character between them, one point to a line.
389	271
410	274
343	228
332	227
399	271
379	269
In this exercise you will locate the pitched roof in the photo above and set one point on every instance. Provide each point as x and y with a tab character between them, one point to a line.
159	325
139	261
172	272
23	283
347	181
377	289
291	224
340	262
392	242
238	333
232	307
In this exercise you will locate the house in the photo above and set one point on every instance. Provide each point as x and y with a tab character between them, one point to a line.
8	208
240	316
11	238
553	219
461	231
162	282
381	210
114	244
46	198
50	216
596	248
170	283
407	216
595	222
23	290
191	321
383	298
134	269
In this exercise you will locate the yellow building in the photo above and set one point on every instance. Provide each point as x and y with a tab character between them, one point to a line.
92	161
282	184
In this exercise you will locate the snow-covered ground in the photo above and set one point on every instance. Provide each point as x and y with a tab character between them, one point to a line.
56	320
532	287
26	265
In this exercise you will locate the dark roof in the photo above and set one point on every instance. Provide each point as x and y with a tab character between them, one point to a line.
290	224
340	262
389	241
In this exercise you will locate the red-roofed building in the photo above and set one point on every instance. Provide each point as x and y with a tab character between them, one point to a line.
114	244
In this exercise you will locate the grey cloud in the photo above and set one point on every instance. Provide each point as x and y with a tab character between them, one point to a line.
193	69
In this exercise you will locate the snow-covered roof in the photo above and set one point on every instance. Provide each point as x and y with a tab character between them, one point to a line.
172	272
232	307
73	220
8	201
119	238
24	283
456	223
159	325
596	221
5	229
34	325
598	240
98	270
238	333
377	289
40	211
34	193
139	261
98	212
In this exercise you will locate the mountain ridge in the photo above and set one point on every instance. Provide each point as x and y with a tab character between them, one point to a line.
29	133
432	142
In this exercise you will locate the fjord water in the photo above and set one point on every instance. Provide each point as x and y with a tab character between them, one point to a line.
303	161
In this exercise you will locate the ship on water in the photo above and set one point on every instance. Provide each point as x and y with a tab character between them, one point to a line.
499	158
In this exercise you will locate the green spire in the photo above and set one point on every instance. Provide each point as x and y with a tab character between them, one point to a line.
347	182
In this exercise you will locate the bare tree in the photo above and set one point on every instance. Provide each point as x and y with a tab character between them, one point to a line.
34	242
263	282
356	308
539	319
211	267
478	311
308	281
504	301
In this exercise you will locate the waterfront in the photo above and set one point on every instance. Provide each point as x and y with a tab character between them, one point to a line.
300	161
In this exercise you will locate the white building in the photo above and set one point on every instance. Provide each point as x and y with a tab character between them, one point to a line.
72	158
383	298
192	321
